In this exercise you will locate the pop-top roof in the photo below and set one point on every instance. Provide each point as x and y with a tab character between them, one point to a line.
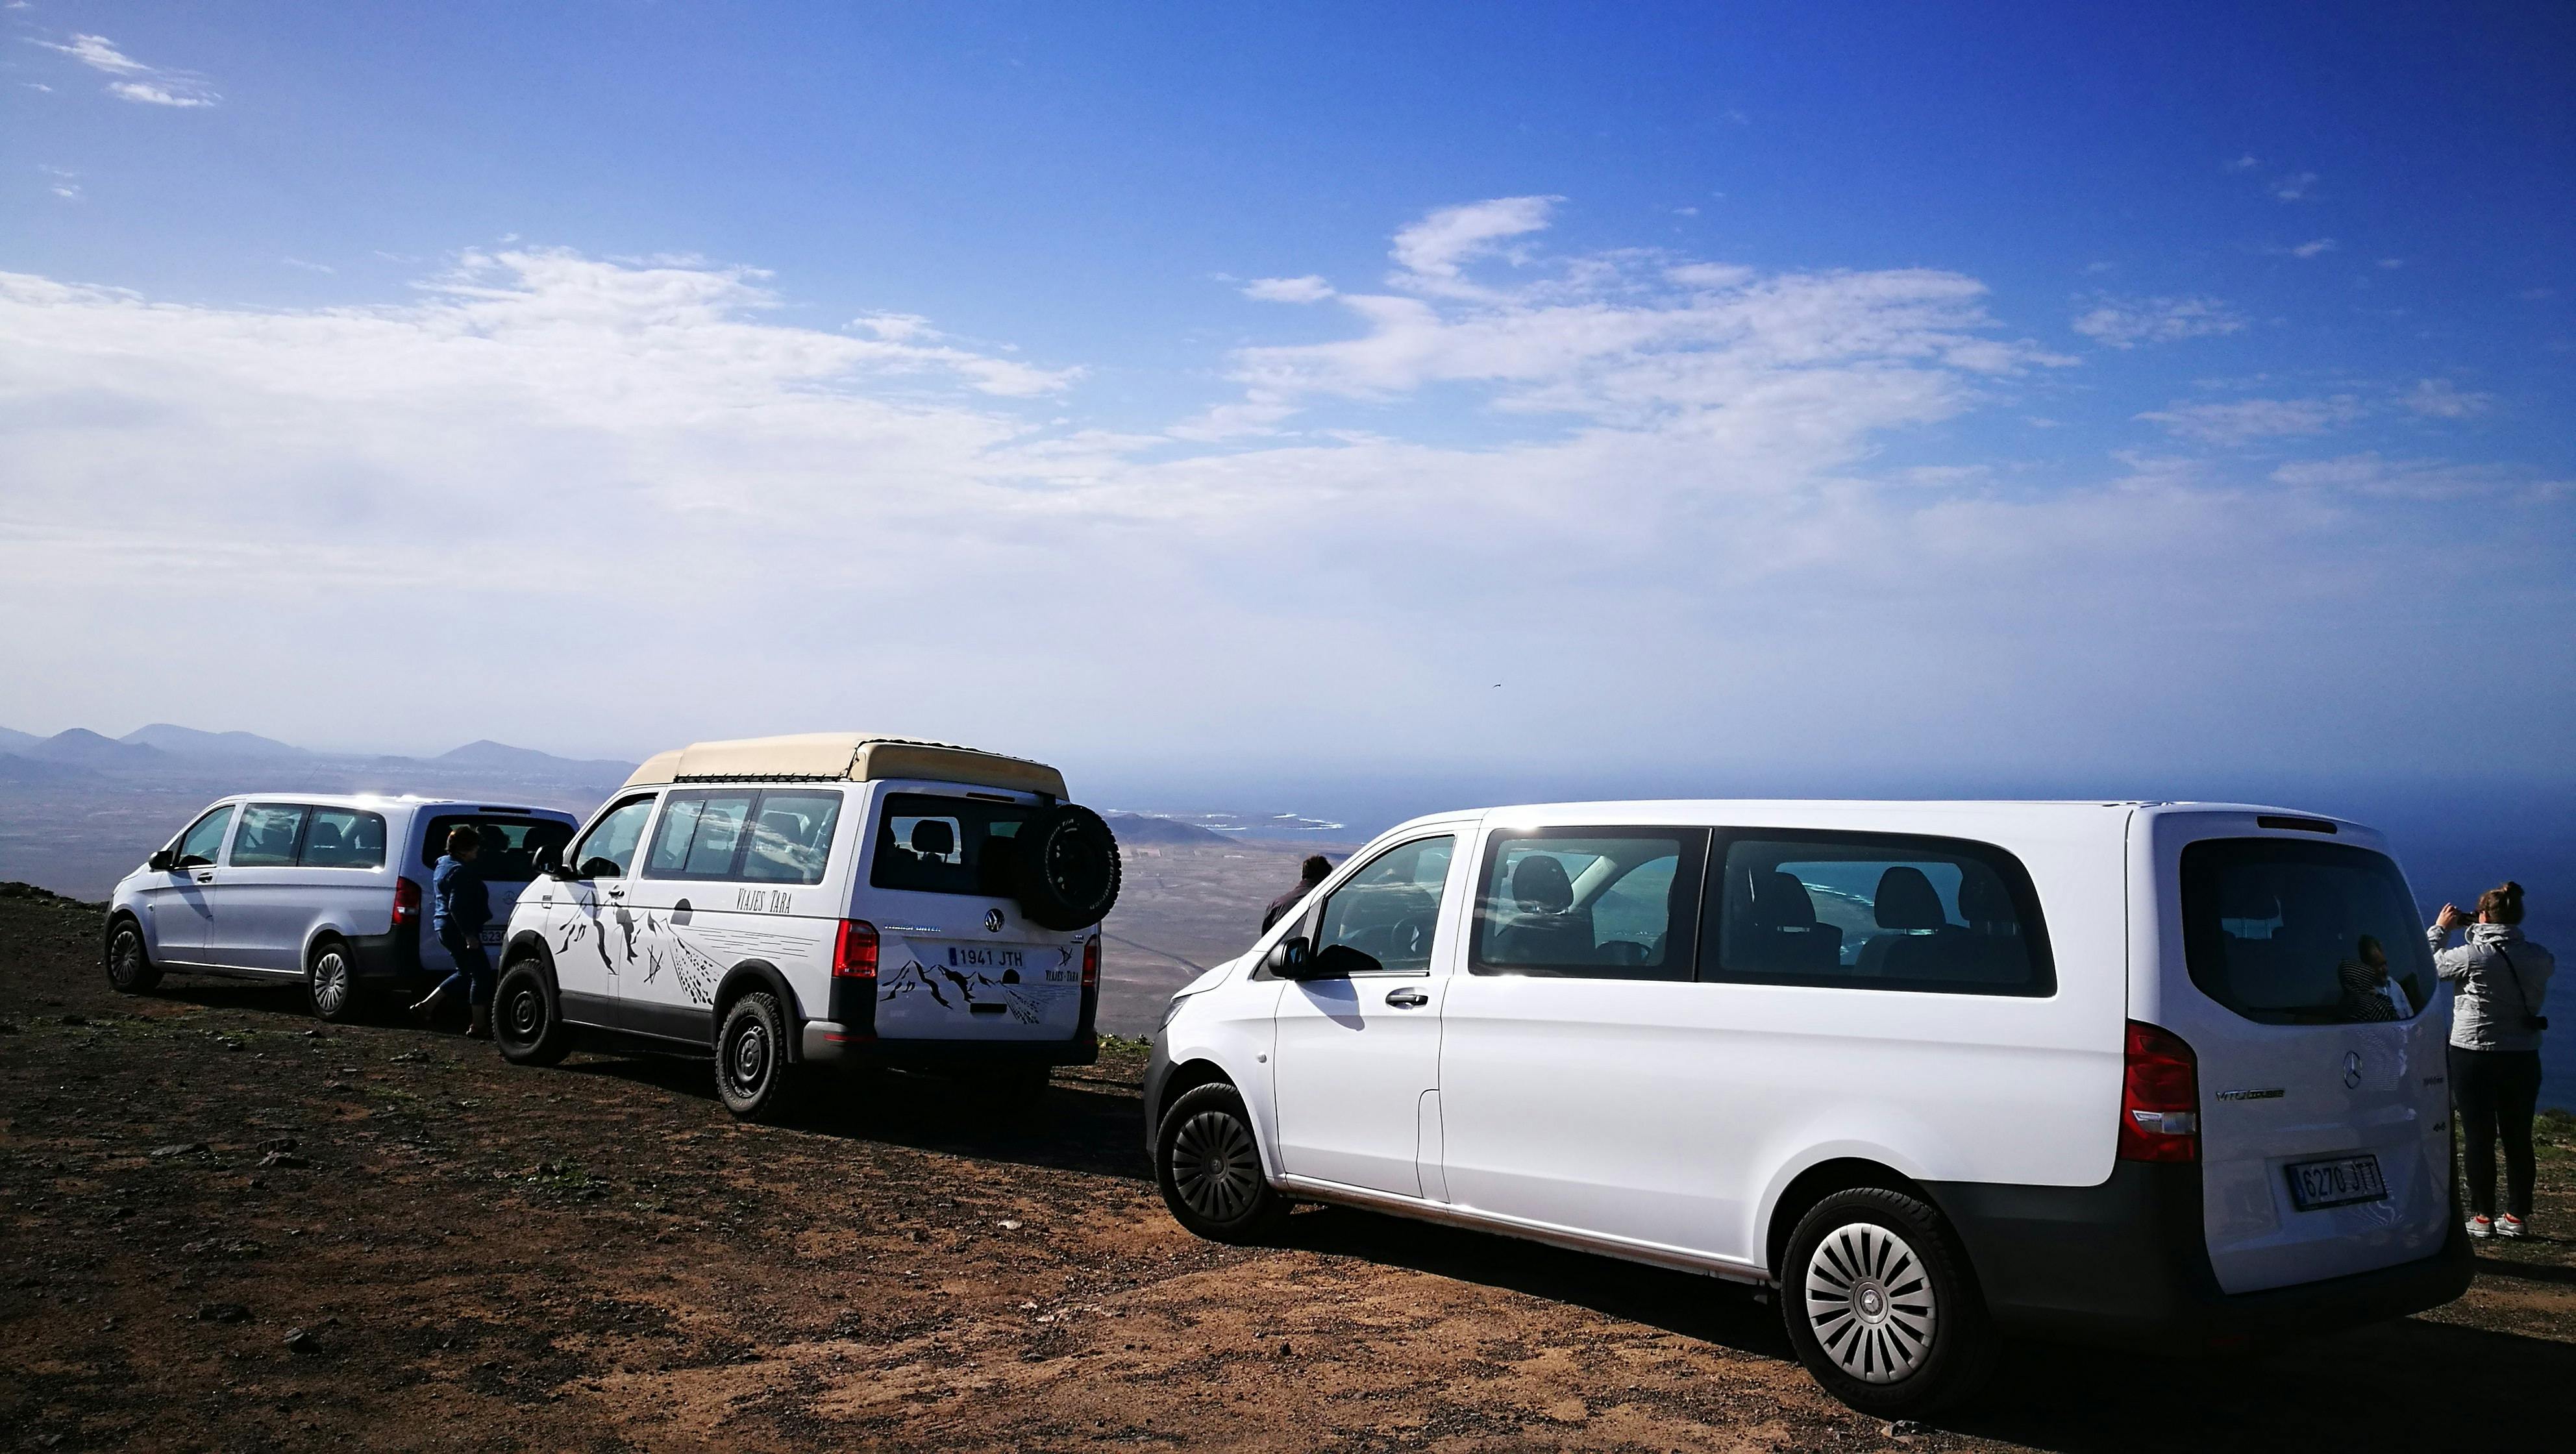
856	756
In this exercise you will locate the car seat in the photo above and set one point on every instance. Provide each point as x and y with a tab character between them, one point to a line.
1906	906
1543	928
1781	934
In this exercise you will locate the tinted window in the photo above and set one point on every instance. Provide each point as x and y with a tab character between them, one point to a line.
1866	911
942	845
1599	903
2297	933
267	836
508	852
608	849
1388	910
204	839
791	836
701	833
343	838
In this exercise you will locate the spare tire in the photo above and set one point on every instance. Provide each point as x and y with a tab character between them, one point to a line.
1064	866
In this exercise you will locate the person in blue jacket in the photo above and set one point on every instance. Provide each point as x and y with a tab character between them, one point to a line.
459	908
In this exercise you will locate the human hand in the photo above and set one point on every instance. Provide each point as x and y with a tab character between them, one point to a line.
2450	918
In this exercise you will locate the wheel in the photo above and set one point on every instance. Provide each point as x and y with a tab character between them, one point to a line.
752	1073
526	1024
130	969
1209	1167
331	983
1880	1304
1064	867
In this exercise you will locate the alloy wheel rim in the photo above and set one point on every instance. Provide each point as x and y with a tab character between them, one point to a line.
330	983
129	957
1215	1166
1870	1302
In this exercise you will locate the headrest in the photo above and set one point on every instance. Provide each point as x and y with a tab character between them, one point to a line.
325	835
1780	901
934	838
788	825
1983	899
1539	885
1906	900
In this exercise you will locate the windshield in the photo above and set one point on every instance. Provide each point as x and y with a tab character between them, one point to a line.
2287	932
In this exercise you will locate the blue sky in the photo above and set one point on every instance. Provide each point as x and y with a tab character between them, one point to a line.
1936	389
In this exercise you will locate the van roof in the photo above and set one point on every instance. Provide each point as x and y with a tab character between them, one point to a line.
855	756
379	801
1922	815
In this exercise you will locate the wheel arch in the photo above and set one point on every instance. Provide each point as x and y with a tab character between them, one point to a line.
1186	1077
743	979
1819	1181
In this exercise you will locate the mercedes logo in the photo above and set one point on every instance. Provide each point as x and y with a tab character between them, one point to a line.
2352	1070
992	921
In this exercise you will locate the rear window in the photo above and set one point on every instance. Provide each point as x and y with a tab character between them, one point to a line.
510	845
1871	911
940	845
2293	933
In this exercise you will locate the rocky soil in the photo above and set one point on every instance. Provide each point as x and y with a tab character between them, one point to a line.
223	1226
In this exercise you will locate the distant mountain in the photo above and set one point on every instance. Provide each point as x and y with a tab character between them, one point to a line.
489	756
15	741
1138	828
189	742
18	769
85	748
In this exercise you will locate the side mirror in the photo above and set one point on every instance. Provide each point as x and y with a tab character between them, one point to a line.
546	861
1291	958
162	860
1341	961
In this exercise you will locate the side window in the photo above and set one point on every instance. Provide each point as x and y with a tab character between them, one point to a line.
267	836
791	836
204	839
1870	911
343	838
1590	903
1388	910
701	833
608	849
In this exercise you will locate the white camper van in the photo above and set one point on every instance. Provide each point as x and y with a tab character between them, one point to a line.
815	900
1932	1071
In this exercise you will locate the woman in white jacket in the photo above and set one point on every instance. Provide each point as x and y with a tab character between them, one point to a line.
2501	979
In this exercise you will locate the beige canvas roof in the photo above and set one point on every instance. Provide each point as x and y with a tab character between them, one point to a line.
808	756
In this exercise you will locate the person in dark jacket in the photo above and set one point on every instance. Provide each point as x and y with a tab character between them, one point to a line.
460	906
1317	865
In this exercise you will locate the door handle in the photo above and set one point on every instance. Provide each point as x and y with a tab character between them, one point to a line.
205	878
618	892
1407	999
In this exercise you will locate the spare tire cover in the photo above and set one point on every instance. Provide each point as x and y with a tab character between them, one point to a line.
1066	862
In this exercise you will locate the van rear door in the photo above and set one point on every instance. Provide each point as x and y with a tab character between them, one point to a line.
957	960
511	839
2324	1113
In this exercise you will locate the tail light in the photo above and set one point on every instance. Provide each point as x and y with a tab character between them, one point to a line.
1091	963
854	950
406	902
2159	1097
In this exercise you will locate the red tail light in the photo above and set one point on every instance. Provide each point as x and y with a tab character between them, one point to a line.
2159	1097
406	902
854	950
1091	963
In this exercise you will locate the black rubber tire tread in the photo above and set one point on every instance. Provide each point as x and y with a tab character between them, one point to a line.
139	974
1262	1218
353	1001
1065	869
1964	1343
546	1040
770	1095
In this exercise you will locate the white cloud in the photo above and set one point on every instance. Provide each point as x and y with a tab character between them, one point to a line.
153	93
2245	420
2318	248
2372	476
2295	187
99	54
1308	289
62	182
2245	163
145	84
2128	322
2392	262
2442	399
1432	251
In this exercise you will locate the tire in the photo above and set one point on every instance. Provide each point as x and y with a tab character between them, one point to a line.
753	1075
331	984
1881	1306
1064	868
527	1023
1208	1164
130	970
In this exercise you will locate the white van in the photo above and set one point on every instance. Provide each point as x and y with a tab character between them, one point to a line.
825	899
1934	1071
313	887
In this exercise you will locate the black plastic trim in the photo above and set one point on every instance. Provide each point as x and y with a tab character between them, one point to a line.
394	954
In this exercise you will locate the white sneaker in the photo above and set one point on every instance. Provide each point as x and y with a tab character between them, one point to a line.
2481	1227
2509	1225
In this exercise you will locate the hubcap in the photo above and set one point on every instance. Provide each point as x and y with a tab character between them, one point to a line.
1215	1166
330	983
129	957
527	1015
1870	1302
750	1057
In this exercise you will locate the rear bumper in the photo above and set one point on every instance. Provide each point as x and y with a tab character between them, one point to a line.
394	955
2125	1264
829	1042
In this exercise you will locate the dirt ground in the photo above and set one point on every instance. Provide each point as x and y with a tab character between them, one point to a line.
223	1226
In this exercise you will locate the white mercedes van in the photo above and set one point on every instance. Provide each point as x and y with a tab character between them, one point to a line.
312	887
826	899
1936	1072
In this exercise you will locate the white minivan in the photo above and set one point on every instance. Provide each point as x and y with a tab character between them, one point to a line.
312	887
1937	1072
827	899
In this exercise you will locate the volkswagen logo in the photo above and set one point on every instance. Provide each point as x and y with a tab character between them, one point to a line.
993	925
2352	1070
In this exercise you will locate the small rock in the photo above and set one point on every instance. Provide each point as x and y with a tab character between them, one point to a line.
1903	1429
285	1159
299	1341
223	1313
1009	1226
407	1055
75	1019
278	1143
312	1034
1285	1351
346	1070
184	1148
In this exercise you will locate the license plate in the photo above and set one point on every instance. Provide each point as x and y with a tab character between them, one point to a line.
492	935
2335	1183
986	956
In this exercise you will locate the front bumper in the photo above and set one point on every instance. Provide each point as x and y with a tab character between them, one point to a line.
2126	1263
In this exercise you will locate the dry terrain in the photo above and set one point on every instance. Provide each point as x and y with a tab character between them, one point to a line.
225	1227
